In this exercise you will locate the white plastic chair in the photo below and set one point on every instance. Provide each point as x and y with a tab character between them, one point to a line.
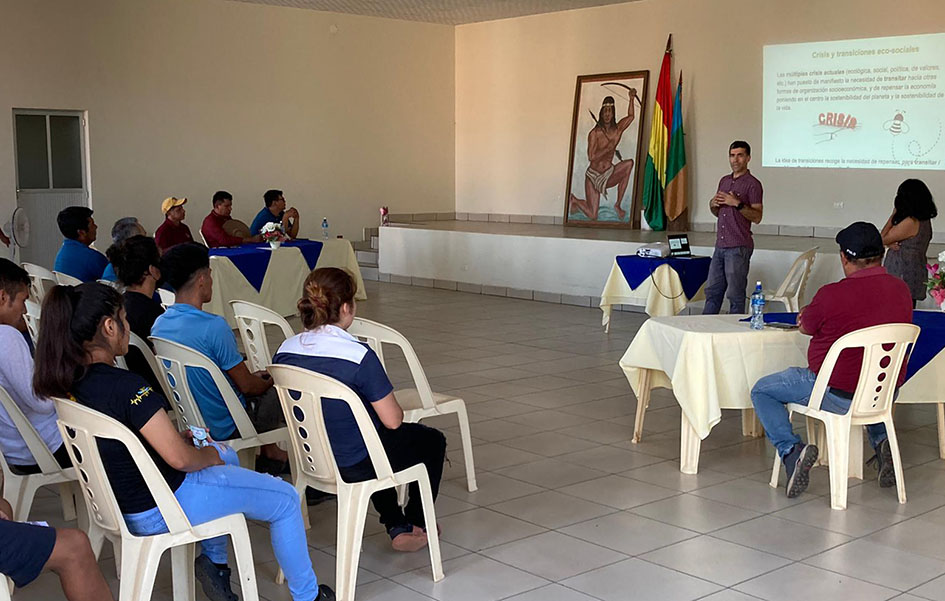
21	490
175	358
32	318
419	402
872	402
111	284
81	428
66	279
791	290
6	588
167	297
203	238
310	446
41	281
251	320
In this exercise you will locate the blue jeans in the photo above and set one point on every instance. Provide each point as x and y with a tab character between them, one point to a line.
223	490
794	385
728	271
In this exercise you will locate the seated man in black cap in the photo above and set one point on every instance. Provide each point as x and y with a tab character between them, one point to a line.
867	296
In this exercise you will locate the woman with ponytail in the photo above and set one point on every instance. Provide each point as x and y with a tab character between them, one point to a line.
327	309
84	329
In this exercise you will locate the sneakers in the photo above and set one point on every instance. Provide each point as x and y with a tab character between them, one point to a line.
884	464
325	593
214	581
797	464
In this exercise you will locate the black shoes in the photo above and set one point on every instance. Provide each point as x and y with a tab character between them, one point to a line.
273	467
797	464
884	464
325	593
315	497
215	581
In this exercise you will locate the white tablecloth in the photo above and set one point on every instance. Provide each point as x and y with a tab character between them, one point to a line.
282	285
661	293
710	362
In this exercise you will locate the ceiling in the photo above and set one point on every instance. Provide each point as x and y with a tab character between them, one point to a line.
448	12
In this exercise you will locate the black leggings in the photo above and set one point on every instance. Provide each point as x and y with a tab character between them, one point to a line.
61	455
406	446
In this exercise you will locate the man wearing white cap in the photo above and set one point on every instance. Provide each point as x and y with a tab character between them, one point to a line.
173	231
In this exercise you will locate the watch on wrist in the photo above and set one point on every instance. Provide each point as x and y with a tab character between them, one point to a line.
740	206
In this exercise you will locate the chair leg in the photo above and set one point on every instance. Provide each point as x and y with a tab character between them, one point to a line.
838	441
689	446
25	501
247	457
776	468
13	492
352	513
897	459
429	516
643	401
243	555
67	498
467	448
134	564
182	572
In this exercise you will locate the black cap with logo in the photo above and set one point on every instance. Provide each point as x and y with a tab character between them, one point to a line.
860	240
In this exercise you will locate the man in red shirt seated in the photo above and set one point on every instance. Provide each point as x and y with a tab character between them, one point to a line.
212	228
173	231
867	296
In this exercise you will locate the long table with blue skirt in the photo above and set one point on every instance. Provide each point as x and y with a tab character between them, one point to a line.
274	278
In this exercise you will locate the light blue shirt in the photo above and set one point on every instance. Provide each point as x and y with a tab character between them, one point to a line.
208	334
262	218
109	273
80	261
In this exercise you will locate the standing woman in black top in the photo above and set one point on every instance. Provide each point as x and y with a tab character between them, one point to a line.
907	234
84	329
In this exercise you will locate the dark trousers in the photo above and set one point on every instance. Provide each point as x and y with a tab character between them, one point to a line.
728	277
406	446
62	458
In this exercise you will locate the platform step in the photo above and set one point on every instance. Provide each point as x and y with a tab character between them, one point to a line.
369	272
366	256
362	245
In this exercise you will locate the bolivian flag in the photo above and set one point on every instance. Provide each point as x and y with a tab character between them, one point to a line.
654	177
675	201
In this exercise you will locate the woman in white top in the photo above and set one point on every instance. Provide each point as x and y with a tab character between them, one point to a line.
16	378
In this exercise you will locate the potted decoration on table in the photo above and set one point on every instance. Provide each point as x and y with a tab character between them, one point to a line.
936	283
273	234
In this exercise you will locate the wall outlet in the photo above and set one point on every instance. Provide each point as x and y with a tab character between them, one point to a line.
838	205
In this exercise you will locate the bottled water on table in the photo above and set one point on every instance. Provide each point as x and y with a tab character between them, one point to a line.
325	228
757	308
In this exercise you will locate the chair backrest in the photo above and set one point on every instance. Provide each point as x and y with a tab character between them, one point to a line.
41	281
203	238
32	317
67	280
885	348
251	320
152	361
376	335
796	279
112	284
38	449
301	392
80	427
175	358
167	297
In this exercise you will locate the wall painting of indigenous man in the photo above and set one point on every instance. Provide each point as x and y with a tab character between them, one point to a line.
606	149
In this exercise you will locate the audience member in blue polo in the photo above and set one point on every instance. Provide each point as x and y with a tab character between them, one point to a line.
186	268
124	228
275	212
76	257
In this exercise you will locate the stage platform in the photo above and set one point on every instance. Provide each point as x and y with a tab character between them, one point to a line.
563	264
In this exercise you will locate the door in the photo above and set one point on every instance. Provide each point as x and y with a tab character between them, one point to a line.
51	174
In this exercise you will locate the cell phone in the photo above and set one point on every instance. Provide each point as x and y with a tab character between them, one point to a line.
200	436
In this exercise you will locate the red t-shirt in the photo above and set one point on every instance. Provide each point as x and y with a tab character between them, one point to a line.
171	234
212	230
869	297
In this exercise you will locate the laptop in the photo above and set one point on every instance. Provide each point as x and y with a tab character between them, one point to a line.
679	245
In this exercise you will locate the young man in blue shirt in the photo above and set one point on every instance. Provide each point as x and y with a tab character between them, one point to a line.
75	256
275	212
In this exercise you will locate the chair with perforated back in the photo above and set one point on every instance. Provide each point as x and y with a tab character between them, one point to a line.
167	297
67	280
203	238
419	402
301	393
20	490
175	359
791	290
251	321
872	402
6	588
139	556
41	281
32	317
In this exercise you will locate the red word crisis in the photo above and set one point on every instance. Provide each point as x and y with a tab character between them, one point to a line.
837	120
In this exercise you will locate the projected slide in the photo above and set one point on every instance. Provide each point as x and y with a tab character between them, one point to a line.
870	104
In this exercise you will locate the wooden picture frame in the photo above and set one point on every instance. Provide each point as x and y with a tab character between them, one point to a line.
591	197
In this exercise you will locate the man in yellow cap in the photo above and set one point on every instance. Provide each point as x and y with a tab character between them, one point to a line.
173	231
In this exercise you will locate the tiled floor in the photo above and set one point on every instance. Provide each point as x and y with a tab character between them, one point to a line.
569	510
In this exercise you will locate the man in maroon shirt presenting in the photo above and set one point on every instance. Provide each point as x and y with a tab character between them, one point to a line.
867	296
737	204
212	228
173	231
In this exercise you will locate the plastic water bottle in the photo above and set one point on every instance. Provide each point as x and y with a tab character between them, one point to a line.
325	228
757	308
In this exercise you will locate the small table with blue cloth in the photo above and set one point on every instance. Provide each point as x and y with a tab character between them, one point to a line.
274	278
663	286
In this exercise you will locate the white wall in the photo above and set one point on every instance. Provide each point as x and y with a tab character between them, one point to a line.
189	96
515	90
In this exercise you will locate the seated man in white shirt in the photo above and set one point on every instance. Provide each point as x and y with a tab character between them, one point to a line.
16	377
